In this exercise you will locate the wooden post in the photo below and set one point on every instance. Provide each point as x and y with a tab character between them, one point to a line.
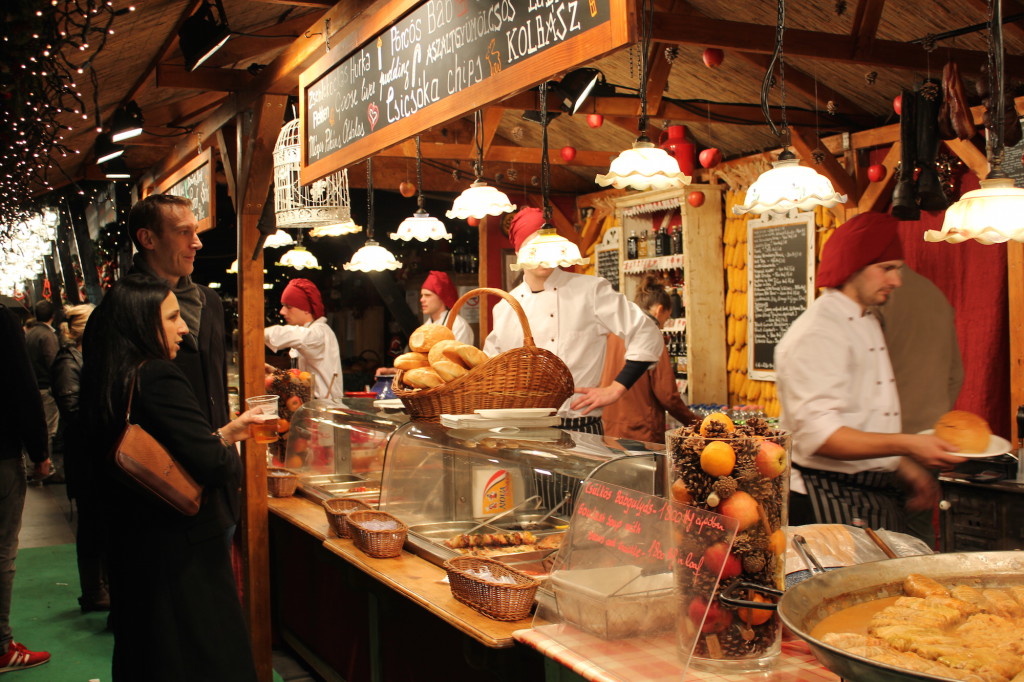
257	132
1015	299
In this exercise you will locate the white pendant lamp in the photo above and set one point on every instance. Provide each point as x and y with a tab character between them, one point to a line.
278	239
995	213
300	259
372	257
480	199
788	185
421	226
644	166
547	249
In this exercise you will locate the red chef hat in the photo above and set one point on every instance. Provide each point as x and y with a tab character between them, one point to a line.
439	283
526	222
864	239
303	294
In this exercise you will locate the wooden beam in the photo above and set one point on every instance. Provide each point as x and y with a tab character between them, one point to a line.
228	157
865	26
257	133
1015	301
510	154
657	80
806	85
972	157
203	78
300	3
281	34
841	179
876	193
1014	30
490	120
686	29
187	109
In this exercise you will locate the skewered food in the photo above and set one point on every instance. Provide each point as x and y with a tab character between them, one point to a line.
491	540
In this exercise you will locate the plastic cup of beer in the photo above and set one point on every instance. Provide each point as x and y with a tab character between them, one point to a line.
264	431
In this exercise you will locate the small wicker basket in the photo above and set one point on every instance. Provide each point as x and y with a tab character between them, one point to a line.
527	376
281	482
337	510
500	601
380	544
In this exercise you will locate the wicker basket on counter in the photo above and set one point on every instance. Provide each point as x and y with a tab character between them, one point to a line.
380	544
497	600
281	482
527	376
337	510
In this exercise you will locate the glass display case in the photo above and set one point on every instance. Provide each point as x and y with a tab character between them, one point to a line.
338	447
505	496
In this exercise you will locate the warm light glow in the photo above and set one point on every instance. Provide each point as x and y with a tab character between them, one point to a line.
991	215
300	259
338	229
480	200
278	239
547	249
372	258
788	186
421	226
644	167
233	268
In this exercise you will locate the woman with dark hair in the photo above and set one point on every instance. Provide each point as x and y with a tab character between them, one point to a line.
175	610
640	414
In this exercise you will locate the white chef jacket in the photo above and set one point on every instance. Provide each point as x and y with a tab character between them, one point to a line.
463	332
571	318
316	347
832	370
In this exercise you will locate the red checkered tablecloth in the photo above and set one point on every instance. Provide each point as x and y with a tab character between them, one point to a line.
654	659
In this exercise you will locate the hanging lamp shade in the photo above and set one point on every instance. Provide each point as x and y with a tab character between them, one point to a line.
548	249
480	200
372	258
644	167
788	186
300	259
233	268
422	227
323	203
335	229
991	215
278	239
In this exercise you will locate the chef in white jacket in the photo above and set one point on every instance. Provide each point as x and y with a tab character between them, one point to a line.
571	316
437	296
312	342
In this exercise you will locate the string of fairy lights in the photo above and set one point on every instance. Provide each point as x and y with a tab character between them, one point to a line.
48	51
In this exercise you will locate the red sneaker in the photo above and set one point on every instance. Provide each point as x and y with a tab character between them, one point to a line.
17	657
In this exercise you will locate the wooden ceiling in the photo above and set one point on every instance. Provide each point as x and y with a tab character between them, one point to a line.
844	64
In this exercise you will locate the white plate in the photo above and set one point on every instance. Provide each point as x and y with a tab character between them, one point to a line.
516	413
996	446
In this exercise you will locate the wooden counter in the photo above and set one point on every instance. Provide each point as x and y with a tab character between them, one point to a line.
353	617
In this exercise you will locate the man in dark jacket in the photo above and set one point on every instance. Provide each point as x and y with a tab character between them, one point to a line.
42	344
23	425
164	231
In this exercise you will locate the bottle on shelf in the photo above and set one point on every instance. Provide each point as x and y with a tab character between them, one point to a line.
642	246
677	240
650	243
631	246
659	244
666	241
677	303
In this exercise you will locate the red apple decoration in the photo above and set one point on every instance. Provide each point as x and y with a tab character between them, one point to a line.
695	199
710	157
713	57
568	153
897	104
742	507
718	619
472	222
595	120
717	558
407	189
770	459
876	172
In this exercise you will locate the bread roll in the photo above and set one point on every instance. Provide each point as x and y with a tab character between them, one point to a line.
966	431
445	350
411	361
471	355
422	377
448	370
424	338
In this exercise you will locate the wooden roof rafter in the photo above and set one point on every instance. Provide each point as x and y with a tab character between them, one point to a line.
865	26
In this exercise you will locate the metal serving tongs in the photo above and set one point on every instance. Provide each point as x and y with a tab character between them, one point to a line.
551	513
811	561
534	499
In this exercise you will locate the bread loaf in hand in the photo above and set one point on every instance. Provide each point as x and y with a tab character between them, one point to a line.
966	431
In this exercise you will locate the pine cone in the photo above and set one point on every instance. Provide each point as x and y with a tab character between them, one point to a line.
753	563
716	429
725	486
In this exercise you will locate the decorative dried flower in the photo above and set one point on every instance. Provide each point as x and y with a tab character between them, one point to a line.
840	7
929	90
818	155
830	107
518	132
928	43
671	53
512	174
870	77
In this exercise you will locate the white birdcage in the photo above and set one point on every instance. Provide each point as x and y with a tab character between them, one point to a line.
317	205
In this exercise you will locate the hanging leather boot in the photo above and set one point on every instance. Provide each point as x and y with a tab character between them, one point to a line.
904	195
930	195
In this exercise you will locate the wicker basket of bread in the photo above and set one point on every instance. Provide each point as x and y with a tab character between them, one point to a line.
443	376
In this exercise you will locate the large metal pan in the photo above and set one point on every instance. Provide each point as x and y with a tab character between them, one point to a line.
804	605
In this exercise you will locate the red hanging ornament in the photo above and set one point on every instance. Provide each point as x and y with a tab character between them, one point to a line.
876	172
695	199
407	189
595	120
713	57
472	222
710	157
568	153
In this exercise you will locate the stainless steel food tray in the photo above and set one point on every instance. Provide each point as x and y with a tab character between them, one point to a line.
426	540
325	486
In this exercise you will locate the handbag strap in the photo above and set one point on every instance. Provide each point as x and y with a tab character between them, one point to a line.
131	394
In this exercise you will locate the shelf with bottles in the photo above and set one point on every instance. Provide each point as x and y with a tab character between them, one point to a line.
659	242
639	266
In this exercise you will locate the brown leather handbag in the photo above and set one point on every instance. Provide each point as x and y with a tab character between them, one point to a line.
148	463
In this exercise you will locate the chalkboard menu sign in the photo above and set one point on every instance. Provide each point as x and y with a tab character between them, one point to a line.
1013	163
608	254
780	284
194	181
443	59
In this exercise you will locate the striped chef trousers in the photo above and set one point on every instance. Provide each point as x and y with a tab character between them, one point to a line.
875	498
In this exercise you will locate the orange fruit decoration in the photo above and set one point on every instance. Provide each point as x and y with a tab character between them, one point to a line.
718	458
719	417
293	403
294	462
305	376
680	493
777	542
283	425
755	616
